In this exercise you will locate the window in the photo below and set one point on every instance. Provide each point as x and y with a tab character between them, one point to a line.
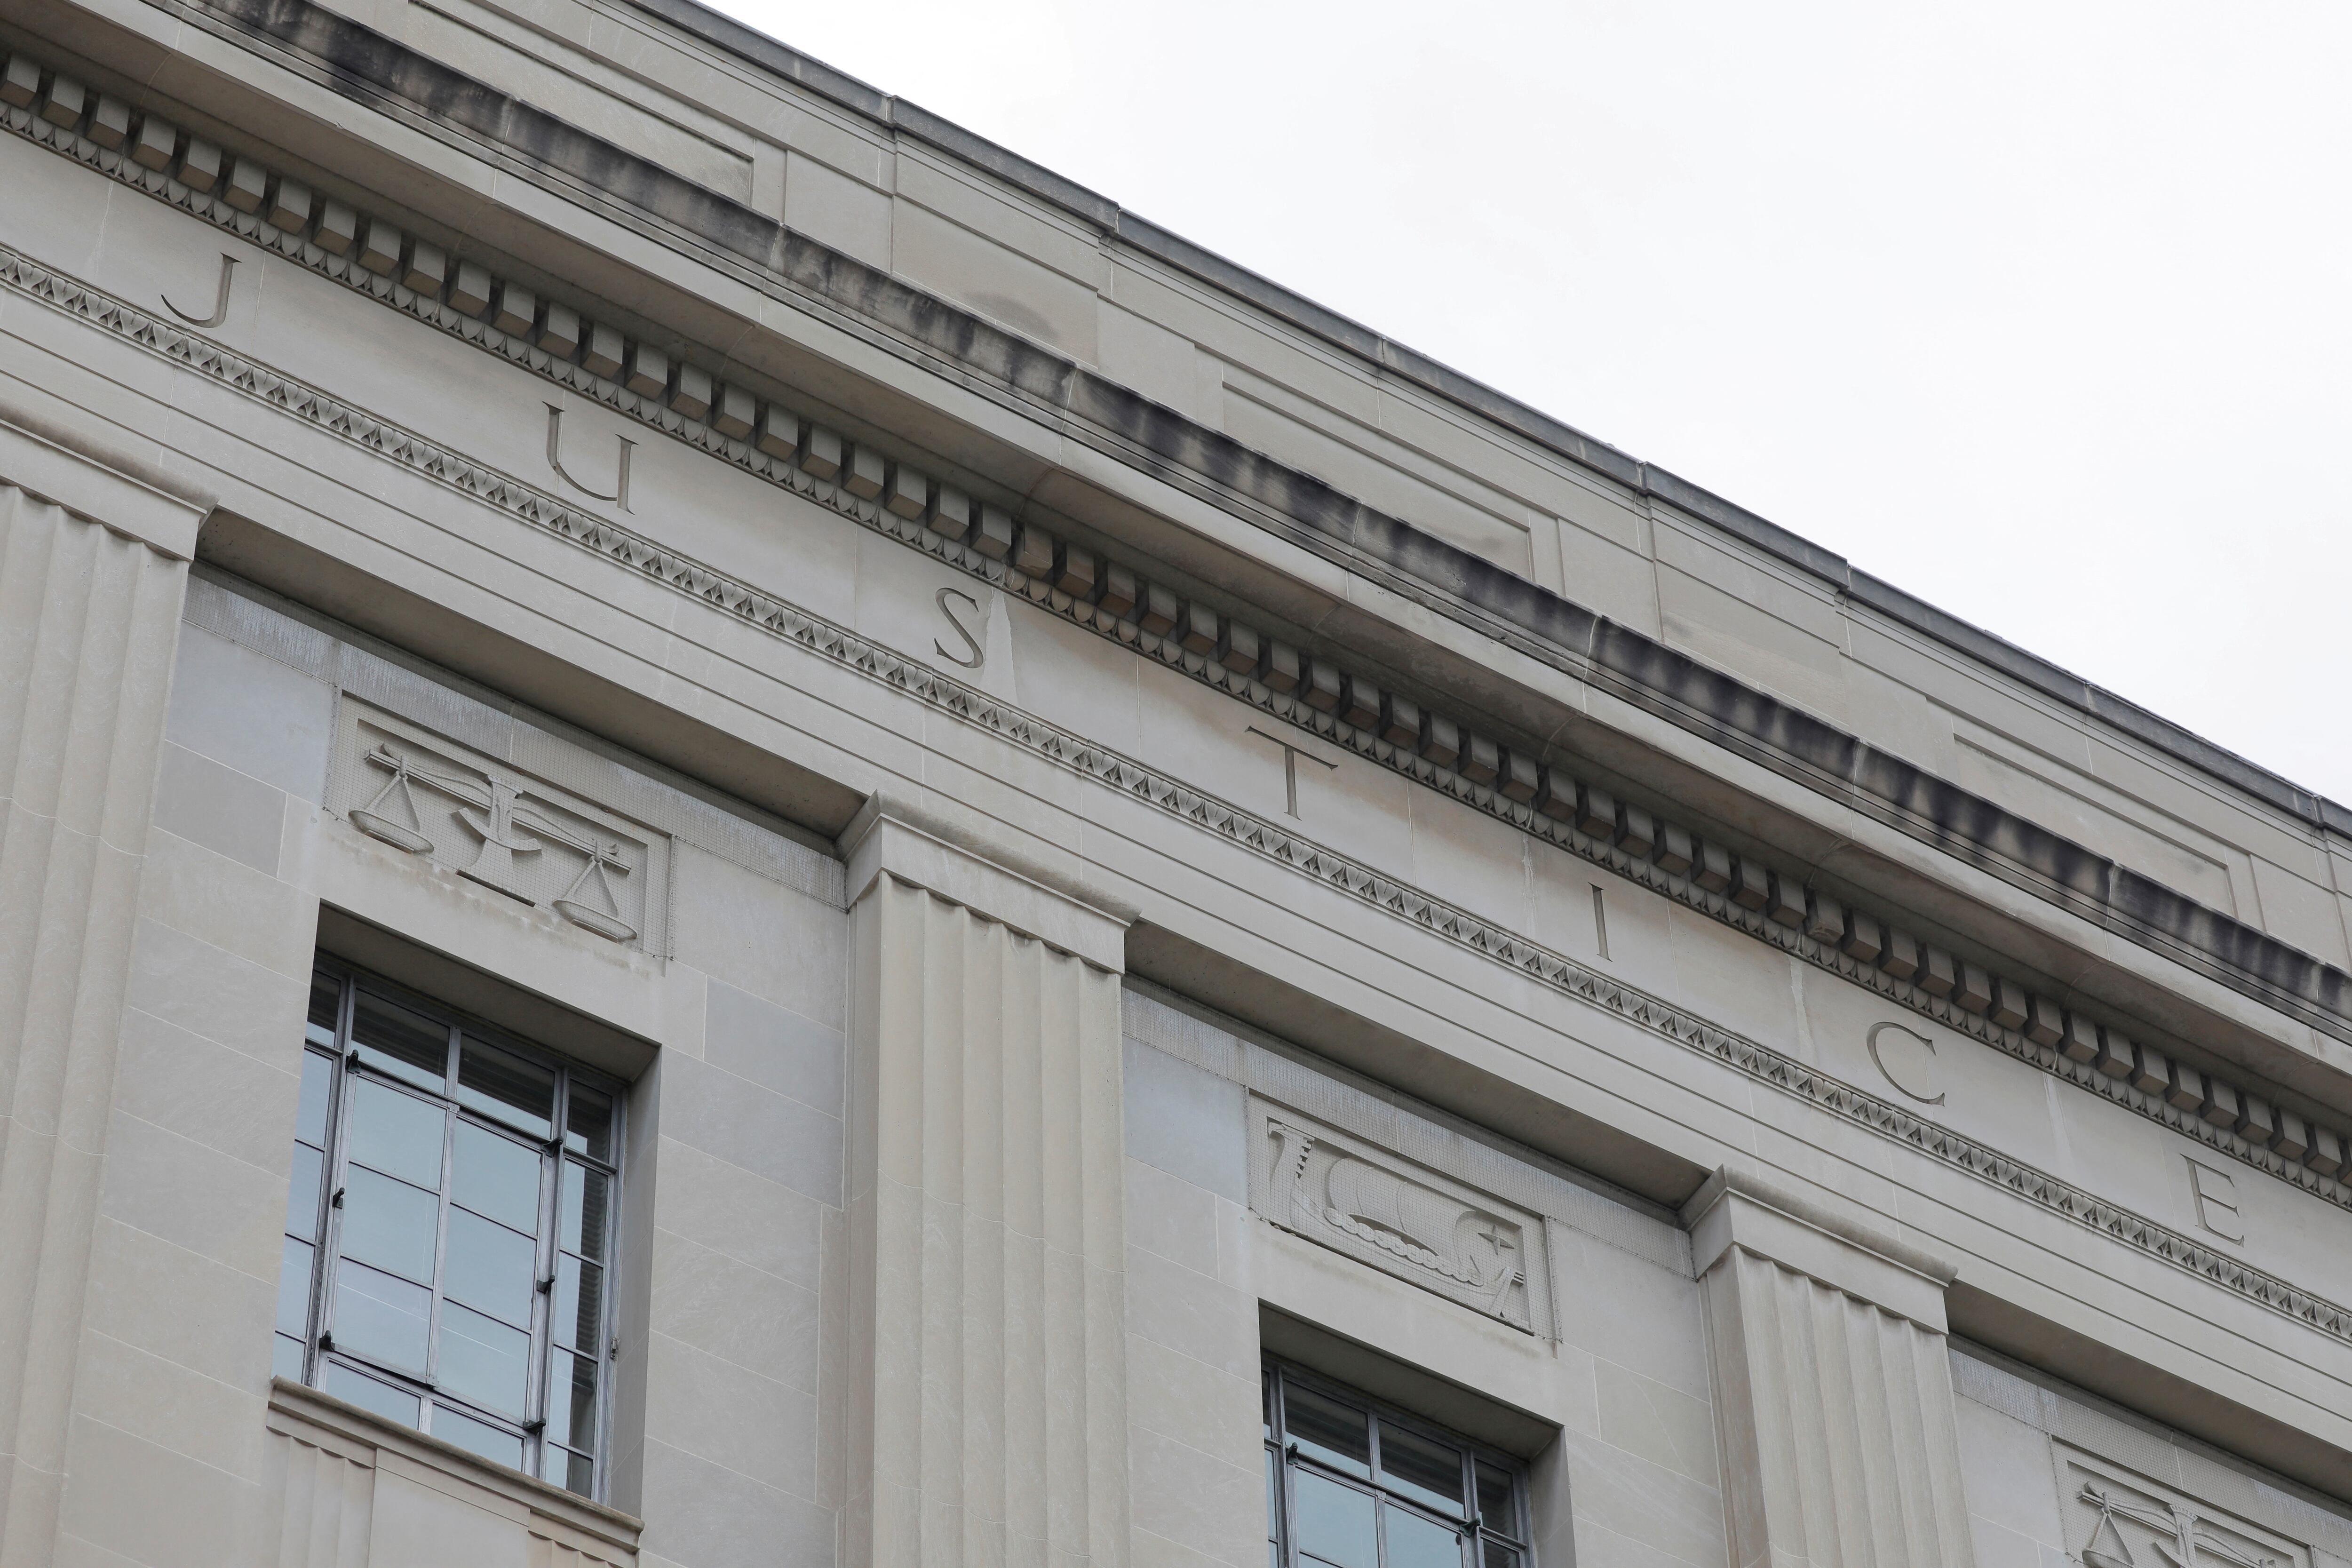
1351	1485
449	1233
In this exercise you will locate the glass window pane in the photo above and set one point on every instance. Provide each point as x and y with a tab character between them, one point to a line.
1496	1510
588	1123
495	1176
571	1402
302	1193
1501	1556
397	1133
572	1472
317	1078
294	1288
1334	1522
381	1319
326	993
506	1088
392	1403
478	1436
1422	1470
489	1266
1418	1542
1327	1430
1273	1498
390	1223
400	1042
482	1360
285	1358
583	1224
578	1319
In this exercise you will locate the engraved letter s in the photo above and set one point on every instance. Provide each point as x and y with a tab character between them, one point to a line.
979	655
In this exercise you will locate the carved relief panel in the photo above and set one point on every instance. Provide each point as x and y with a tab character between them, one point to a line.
1402	1218
2116	1518
510	831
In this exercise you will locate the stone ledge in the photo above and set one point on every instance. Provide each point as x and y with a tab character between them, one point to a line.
889	838
1735	1209
300	1411
108	488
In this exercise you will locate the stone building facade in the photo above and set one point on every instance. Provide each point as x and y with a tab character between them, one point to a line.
737	833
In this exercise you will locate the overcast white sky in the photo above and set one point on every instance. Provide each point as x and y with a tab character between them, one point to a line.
2040	310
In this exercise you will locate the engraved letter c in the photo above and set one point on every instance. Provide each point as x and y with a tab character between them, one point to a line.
1888	1073
978	655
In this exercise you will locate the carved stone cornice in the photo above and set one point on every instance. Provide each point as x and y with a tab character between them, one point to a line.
1341	873
1088	407
1733	887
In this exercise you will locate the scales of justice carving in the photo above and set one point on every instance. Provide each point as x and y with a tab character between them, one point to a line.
508	828
2178	1536
1334	1194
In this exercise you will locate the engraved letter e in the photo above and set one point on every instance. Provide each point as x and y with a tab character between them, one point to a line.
2215	1195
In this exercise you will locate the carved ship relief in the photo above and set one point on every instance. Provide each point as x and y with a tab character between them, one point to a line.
1324	1185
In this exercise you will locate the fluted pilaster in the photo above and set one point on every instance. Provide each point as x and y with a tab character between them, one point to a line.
88	620
1833	1388
991	1422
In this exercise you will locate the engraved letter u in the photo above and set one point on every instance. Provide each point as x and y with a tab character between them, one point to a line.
554	461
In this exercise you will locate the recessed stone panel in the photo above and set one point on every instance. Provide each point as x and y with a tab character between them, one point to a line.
1381	1209
510	831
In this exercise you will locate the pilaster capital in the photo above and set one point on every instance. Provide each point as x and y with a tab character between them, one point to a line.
113	489
891	837
1735	1209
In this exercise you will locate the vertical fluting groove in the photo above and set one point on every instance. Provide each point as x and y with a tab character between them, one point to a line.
88	621
323	1503
1839	1436
989	1099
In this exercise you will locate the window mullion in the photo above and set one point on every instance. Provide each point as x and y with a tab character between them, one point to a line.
330	1182
441	1242
547	1263
331	1237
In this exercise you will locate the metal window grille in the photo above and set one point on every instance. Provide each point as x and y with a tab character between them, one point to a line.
449	1232
1350	1483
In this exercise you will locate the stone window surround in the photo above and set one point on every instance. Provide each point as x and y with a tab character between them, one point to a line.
609	1261
686	400
367	1440
1515	1546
